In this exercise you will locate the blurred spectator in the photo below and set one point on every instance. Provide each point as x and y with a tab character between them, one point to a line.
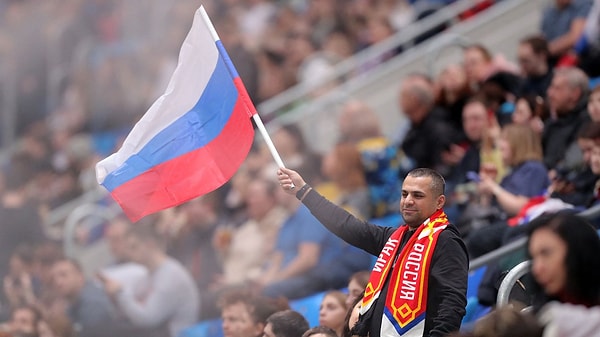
21	223
429	136
356	286
505	321
352	316
192	245
532	111
567	99
561	320
453	93
24	322
245	314
287	323
122	269
246	248
480	65
562	25
168	298
89	308
347	183
588	46
20	286
593	106
320	331
564	250
307	257
533	57
382	161
333	311
521	151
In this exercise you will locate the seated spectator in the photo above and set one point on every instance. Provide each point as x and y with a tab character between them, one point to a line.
244	314
593	106
356	286
382	161
531	111
287	323
89	307
333	311
254	240
121	269
453	94
168	298
320	331
417	102
562	25
533	57
347	187
504	322
576	186
480	65
521	150
588	47
567	99
192	246
352	316
564	249
24	322
476	126
20	286
307	257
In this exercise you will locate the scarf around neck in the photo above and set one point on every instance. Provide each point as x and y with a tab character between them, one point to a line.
406	300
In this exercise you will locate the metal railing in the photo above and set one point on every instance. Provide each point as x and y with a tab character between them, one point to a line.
349	67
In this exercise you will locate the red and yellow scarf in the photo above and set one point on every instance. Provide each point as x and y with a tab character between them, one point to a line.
406	300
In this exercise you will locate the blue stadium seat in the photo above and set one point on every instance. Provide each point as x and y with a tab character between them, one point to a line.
474	280
209	328
309	307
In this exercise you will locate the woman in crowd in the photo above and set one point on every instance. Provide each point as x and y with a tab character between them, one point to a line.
333	311
564	249
356	286
521	150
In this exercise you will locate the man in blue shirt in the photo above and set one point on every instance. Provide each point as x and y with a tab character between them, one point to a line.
563	23
308	258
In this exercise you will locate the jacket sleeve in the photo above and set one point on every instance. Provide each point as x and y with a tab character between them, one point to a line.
448	283
368	237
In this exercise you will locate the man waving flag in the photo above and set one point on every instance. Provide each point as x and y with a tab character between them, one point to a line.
192	139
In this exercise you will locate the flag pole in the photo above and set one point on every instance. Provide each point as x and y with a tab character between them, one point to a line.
242	89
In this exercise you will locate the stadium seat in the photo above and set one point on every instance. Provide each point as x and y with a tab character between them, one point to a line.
209	328
309	307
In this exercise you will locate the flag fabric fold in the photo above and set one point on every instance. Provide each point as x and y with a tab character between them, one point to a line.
192	139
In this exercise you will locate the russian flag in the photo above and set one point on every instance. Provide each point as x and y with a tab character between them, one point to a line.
192	139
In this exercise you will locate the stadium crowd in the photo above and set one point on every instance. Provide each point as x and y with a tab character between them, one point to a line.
512	140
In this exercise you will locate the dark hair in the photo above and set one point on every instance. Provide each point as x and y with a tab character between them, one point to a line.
537	104
70	261
589	131
288	323
538	44
322	330
347	332
438	184
581	262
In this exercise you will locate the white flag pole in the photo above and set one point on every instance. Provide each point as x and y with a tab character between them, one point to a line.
255	116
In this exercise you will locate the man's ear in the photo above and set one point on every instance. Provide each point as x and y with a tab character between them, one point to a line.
441	201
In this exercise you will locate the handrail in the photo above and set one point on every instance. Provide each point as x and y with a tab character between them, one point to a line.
79	213
509	280
349	65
